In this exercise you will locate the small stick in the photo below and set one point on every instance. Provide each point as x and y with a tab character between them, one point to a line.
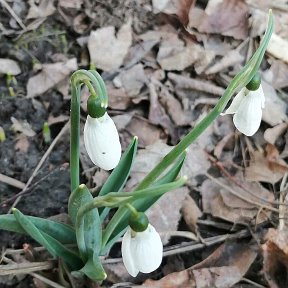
11	181
13	14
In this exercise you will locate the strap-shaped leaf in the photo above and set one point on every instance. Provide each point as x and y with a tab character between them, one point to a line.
53	246
121	217
60	231
120	174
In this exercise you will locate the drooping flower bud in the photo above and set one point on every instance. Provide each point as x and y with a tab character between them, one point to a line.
142	250
247	107
102	141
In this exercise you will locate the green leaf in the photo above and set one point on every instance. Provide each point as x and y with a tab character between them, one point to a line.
88	229
53	246
61	232
119	221
93	269
120	174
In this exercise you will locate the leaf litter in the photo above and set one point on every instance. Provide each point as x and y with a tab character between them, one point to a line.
165	64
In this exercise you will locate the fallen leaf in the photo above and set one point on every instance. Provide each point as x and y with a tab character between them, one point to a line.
275	108
221	203
121	121
107	51
275	252
53	120
118	98
173	54
268	168
276	46
44	9
23	127
218	19
165	214
8	66
146	132
191	213
279	71
223	268
50	76
272	134
177	7
132	80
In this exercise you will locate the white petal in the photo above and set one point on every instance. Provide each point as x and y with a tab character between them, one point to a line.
236	102
147	250
102	142
248	117
128	259
259	93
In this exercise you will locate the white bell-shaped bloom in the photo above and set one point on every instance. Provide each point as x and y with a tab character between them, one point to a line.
142	251
247	109
102	141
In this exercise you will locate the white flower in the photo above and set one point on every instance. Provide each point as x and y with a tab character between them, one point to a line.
247	109
102	141
142	251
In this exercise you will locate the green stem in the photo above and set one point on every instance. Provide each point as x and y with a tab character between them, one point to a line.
77	79
239	81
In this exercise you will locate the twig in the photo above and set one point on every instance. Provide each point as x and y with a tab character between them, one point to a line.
40	164
13	14
25	268
253	283
11	181
185	234
46	281
240	196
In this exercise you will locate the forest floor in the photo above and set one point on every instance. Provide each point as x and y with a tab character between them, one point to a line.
166	64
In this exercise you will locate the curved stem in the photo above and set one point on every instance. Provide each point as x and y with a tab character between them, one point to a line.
239	81
92	82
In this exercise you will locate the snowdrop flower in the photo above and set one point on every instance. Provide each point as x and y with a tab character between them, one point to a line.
102	141
247	108
142	251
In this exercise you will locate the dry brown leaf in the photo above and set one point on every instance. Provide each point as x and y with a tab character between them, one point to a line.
279	71
226	17
230	59
276	46
275	108
121	121
223	268
132	80
221	203
53	120
187	83
107	51
191	213
118	98
157	114
165	214
44	9
147	133
178	7
173	54
275	252
8	66
272	134
23	127
50	76
266	168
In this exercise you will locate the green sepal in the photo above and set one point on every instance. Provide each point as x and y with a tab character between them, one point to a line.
120	174
93	269
122	215
54	247
60	231
254	83
88	230
138	222
95	107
